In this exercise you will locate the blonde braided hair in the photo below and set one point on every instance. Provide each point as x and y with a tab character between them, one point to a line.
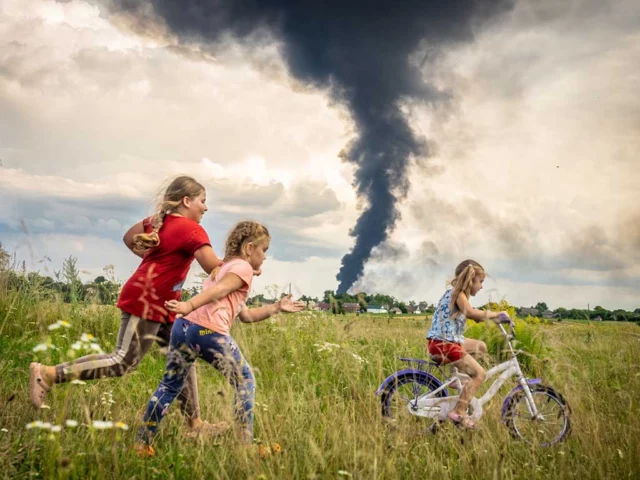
465	272
179	188
239	237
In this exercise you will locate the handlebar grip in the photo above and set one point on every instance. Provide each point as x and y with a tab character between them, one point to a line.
504	318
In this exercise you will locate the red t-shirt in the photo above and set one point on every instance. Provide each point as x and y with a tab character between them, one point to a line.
163	269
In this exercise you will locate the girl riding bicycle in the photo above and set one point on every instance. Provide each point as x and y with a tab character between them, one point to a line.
445	339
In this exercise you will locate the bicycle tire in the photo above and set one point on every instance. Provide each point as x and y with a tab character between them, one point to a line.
553	408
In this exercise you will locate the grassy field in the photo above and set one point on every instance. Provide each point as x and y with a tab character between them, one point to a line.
314	399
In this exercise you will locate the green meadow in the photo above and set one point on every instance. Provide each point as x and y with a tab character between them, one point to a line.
316	380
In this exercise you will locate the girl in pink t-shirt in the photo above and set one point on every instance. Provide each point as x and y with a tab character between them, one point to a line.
203	331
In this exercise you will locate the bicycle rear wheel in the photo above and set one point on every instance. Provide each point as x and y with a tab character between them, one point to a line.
401	396
549	428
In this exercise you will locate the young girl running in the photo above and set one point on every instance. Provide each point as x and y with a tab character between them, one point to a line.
167	242
203	331
446	340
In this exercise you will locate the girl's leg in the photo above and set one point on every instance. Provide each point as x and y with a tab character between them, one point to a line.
471	367
476	348
180	358
223	353
188	396
135	338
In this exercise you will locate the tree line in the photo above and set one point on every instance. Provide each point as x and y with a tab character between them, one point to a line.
65	285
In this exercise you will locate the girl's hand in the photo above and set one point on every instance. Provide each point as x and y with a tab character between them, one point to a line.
287	305
181	308
503	317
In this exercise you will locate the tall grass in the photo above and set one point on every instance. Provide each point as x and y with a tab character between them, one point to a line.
313	398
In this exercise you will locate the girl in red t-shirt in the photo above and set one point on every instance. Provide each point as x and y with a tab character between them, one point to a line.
203	332
167	243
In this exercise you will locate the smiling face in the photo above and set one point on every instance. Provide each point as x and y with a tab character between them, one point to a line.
194	208
255	253
476	283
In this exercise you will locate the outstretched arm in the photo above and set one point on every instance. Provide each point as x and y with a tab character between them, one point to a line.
229	283
477	315
286	304
132	232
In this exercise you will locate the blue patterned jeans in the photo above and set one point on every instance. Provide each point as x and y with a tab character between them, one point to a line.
189	342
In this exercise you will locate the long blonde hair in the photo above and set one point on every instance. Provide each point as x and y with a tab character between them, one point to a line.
179	188
465	272
239	237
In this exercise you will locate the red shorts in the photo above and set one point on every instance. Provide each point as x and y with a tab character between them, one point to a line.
447	351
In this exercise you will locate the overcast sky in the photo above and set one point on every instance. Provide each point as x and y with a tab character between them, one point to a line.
533	166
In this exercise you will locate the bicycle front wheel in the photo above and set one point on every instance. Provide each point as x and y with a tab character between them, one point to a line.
550	426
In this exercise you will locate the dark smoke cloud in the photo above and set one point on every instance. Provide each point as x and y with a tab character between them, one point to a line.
362	52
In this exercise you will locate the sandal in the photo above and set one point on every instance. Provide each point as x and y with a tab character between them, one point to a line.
462	421
37	386
143	450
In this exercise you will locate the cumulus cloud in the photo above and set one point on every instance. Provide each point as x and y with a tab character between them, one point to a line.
533	167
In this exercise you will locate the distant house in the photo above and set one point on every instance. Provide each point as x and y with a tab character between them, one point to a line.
412	309
396	311
376	309
311	305
598	318
549	314
523	312
351	307
324	307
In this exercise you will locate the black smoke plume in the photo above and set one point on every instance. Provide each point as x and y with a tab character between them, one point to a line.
361	51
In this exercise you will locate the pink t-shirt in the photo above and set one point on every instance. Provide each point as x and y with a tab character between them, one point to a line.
218	316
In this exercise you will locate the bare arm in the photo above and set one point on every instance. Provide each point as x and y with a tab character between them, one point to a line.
229	283
128	237
473	313
286	304
207	258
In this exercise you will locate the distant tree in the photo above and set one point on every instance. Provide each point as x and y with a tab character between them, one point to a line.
561	312
541	307
327	296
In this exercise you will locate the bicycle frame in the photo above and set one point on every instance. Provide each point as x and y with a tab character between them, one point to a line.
429	405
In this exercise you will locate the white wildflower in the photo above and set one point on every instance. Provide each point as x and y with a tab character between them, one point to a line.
39	424
359	358
71	423
4	430
326	346
59	324
100	425
41	347
56	428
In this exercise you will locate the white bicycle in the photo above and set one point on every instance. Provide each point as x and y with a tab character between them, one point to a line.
531	411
